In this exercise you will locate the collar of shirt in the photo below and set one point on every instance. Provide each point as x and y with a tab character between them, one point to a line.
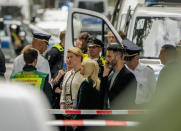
137	69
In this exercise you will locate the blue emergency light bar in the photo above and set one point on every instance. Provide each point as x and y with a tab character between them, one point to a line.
154	2
151	2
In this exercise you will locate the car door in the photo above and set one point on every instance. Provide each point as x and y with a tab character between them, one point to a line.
96	24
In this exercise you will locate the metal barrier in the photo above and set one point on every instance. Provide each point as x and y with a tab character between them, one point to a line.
96	112
92	123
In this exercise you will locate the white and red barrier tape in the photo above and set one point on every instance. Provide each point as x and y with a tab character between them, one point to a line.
92	123
96	112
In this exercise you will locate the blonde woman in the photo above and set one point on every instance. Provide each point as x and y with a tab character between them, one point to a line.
88	94
72	78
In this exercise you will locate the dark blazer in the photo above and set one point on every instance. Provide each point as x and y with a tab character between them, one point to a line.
88	96
123	91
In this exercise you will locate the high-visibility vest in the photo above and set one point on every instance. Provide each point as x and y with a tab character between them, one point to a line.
34	78
59	47
17	41
85	56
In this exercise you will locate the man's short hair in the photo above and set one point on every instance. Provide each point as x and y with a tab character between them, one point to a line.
171	50
117	49
30	55
62	35
122	34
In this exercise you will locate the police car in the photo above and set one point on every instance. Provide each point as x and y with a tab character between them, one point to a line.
5	37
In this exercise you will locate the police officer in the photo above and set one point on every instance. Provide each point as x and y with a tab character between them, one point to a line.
18	45
146	80
94	49
30	75
39	43
55	56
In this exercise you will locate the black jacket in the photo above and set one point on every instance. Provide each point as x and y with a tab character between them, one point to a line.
88	96
55	59
123	91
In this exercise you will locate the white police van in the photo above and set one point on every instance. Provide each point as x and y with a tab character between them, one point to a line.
150	27
150	24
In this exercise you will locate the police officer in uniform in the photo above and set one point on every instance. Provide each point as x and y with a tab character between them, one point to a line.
55	56
94	49
145	77
30	75
39	43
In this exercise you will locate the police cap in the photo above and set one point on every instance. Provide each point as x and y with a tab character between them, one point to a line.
131	49
94	42
41	36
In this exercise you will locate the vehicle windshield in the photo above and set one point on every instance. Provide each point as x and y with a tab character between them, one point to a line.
13	11
94	6
55	15
151	33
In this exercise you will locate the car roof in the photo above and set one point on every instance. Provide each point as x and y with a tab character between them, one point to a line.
8	22
159	10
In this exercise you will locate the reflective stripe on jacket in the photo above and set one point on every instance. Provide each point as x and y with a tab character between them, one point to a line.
85	56
59	47
35	78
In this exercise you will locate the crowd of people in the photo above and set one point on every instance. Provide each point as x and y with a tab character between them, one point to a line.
87	80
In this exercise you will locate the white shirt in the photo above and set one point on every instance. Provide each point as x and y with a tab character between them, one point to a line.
42	64
146	83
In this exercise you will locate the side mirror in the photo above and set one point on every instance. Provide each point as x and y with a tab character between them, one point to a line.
33	19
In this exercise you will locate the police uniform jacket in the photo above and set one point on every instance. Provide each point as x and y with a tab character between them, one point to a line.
146	83
122	94
47	89
42	64
55	57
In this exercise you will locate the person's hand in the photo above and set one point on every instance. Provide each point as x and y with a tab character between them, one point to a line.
52	82
60	74
58	90
106	69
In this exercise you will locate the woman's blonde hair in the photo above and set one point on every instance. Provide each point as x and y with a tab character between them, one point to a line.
76	51
91	68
